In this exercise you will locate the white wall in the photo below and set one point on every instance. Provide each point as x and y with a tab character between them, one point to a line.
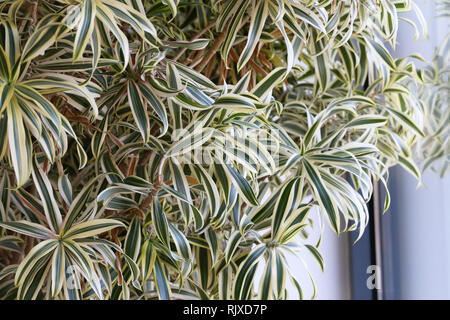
334	282
419	218
421	243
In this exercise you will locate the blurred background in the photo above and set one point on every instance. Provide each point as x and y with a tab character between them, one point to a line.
407	250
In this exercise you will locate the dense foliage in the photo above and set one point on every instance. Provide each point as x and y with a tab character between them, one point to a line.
169	149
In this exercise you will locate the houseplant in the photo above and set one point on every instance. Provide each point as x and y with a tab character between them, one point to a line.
167	149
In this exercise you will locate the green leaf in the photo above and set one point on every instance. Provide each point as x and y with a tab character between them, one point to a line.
45	190
322	195
160	222
58	270
409	165
156	104
29	229
265	86
232	245
242	185
181	243
241	286
42	38
162	285
257	22
91	228
78	204
19	144
133	239
147	259
5	68
85	28
38	252
138	110
317	255
190	142
230	36
406	120
382	52
288	201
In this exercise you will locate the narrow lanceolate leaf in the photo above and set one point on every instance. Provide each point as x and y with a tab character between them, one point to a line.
322	195
135	182
235	102
241	7
85	28
45	190
288	201
308	16
58	270
213	244
382	52
232	245
367	121
160	222
91	228
80	257
197	44
161	282
183	195
267	283
280	276
241	286
68	65
19	144
194	77
5	68
322	69
257	22
409	165
98	139
10	243
147	259
156	104
133	267
106	16
138	110
190	142
38	252
317	256
42	38
12	39
243	186
225	283
265	86
53	82
351	100
29	229
107	194
78	204
133	239
3	132
5	196
65	188
211	188
181	243
406	120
